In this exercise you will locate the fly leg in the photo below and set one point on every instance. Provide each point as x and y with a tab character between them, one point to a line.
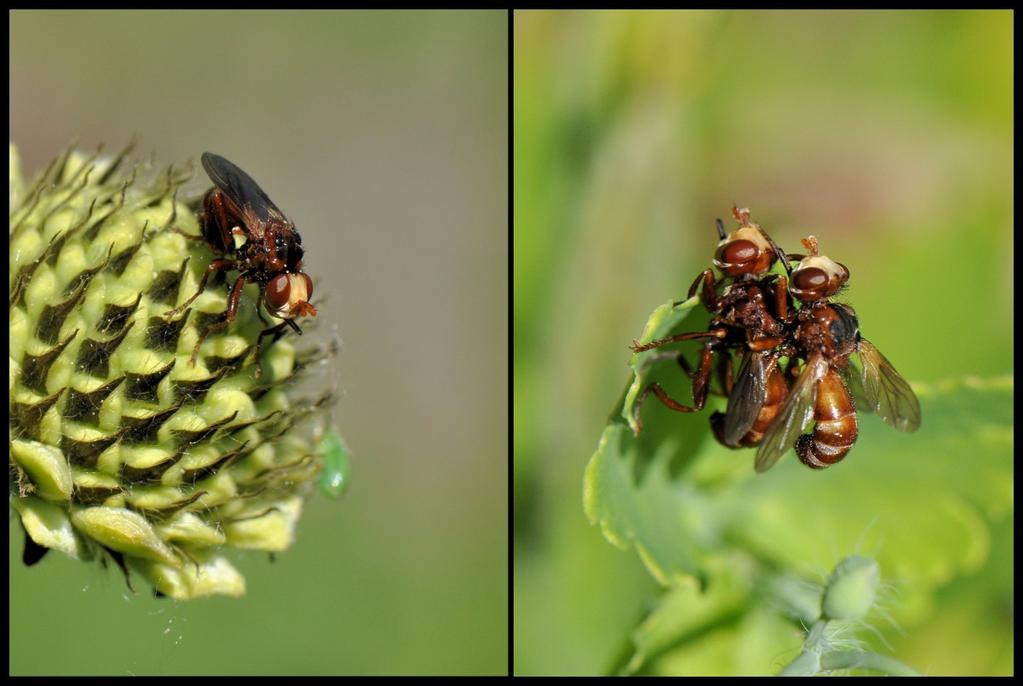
214	266
724	369
781	298
725	372
716	333
276	332
763	343
709	291
687	368
676	356
700	384
229	315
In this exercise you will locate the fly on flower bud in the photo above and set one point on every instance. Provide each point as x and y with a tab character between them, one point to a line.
251	235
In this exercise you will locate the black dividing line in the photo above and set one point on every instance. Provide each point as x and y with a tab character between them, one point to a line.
511	379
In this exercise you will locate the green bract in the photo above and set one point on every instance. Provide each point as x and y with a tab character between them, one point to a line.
118	446
336	473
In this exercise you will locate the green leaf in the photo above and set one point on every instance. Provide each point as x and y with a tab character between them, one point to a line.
628	488
920	503
756	642
663	322
661	520
686	612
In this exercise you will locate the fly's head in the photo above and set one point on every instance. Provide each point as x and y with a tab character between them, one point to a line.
287	295
816	277
745	251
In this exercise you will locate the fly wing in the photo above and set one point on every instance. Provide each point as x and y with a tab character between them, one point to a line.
886	392
249	200
852	375
747	396
794	416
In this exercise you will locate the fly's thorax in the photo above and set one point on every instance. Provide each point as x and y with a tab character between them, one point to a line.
733	293
845	329
729	305
812	330
830	329
746	306
287	249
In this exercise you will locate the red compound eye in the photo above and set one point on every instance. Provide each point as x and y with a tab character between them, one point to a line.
739	252
278	292
810	279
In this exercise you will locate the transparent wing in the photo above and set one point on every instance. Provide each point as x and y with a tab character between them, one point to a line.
794	416
852	375
248	197
747	396
886	392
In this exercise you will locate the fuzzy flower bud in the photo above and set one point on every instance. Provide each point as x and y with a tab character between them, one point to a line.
851	589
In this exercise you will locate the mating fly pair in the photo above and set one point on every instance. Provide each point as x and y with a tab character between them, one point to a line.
755	316
252	236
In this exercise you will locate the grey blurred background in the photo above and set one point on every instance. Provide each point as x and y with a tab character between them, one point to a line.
384	136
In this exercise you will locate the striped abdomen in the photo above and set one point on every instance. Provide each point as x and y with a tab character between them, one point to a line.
836	428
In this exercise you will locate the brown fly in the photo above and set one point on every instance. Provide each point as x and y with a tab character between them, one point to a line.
750	315
252	236
824	336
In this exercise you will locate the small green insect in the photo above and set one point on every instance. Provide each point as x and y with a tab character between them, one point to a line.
336	472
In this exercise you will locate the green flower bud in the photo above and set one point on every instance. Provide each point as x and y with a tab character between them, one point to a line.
851	589
797	598
118	445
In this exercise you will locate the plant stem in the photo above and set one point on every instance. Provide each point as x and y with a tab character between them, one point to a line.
855	659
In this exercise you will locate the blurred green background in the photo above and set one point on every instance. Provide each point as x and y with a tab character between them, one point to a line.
887	134
383	135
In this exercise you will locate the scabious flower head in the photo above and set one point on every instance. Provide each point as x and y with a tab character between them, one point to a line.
119	448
